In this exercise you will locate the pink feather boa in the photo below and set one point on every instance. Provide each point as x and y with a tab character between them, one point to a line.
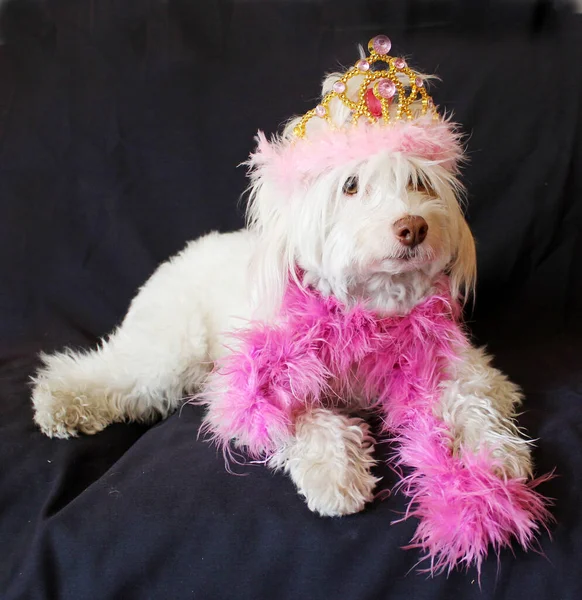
318	349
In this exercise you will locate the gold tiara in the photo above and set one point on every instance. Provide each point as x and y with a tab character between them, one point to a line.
382	95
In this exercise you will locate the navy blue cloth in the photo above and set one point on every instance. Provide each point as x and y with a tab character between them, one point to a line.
121	128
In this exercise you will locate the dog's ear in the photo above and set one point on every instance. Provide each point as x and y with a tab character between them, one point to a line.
267	218
463	268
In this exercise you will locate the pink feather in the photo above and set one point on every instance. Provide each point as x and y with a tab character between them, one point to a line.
290	161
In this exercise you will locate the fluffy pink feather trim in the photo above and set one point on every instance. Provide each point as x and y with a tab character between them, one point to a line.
290	161
320	348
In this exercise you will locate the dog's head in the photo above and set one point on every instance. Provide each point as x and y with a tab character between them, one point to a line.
368	212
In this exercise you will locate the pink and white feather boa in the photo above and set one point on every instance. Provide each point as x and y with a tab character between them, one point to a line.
318	349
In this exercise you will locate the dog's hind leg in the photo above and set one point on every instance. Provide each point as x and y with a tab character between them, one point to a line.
139	373
163	350
135	375
129	377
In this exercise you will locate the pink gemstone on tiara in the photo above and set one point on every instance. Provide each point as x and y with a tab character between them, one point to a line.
381	44
419	82
399	63
386	88
363	65
320	110
339	87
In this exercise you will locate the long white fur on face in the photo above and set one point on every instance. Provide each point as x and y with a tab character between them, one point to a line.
341	240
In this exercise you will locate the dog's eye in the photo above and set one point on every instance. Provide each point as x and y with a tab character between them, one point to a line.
351	186
423	187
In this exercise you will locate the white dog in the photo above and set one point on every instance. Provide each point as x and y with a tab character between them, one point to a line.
379	230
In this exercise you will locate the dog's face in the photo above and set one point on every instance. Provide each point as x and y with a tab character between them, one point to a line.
388	216
368	231
378	230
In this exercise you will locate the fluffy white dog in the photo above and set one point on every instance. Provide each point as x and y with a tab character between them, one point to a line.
378	230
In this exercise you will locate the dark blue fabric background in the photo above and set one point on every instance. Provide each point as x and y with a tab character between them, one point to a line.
121	127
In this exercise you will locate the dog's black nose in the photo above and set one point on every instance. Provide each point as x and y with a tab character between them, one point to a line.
410	230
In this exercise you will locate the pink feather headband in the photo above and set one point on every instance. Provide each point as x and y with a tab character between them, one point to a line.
287	162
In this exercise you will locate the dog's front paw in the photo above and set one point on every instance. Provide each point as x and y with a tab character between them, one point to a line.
329	460
333	496
509	456
514	460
